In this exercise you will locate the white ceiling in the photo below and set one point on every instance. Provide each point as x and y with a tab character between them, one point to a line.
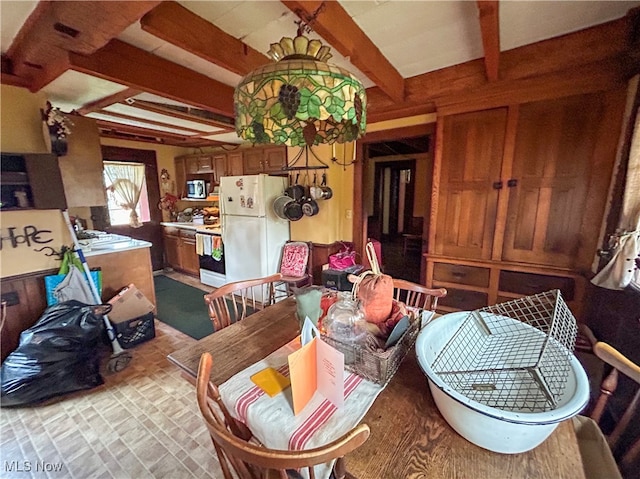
416	37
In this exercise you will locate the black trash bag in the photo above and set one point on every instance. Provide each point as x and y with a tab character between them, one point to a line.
58	355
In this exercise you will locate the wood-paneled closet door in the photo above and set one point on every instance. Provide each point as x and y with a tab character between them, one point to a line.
472	151
560	172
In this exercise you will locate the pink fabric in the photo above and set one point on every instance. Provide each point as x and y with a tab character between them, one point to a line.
295	256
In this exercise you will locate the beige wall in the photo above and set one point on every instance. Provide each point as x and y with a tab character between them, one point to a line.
332	222
21	120
21	132
164	154
24	233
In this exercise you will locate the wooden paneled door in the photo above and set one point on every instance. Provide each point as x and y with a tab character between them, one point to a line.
560	173
470	168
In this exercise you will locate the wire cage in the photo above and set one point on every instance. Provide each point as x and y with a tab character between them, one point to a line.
513	356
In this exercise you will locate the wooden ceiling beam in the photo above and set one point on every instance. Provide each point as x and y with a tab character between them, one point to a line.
148	106
490	30
125	64
567	56
138	130
159	124
108	101
177	25
336	26
53	28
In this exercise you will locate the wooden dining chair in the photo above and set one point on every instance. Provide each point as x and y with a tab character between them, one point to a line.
417	295
295	266
622	445
233	302
252	461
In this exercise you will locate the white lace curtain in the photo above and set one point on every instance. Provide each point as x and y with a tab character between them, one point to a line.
126	182
623	269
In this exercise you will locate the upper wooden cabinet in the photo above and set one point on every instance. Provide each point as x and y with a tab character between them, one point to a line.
265	160
472	153
199	164
528	183
519	196
228	164
213	166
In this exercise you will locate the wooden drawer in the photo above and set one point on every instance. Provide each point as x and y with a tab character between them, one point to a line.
457	273
171	231
464	300
530	283
188	234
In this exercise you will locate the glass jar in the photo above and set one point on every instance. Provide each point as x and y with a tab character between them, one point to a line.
345	320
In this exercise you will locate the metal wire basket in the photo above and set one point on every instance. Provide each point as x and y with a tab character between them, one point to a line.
512	356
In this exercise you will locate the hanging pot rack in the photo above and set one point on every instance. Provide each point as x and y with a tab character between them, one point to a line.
293	165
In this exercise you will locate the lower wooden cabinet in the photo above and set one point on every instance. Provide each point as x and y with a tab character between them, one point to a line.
180	250
476	284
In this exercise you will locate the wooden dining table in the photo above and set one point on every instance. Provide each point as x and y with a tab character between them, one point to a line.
409	437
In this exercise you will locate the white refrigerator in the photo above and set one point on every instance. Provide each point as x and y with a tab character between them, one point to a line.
252	234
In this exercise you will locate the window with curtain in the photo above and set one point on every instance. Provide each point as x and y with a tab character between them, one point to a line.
127	198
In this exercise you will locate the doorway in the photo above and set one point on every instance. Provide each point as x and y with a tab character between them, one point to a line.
394	182
151	230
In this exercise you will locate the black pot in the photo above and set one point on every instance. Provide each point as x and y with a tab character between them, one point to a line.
293	211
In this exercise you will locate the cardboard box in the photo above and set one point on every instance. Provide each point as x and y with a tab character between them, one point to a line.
128	304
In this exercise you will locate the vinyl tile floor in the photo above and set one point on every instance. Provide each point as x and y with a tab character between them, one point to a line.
142	423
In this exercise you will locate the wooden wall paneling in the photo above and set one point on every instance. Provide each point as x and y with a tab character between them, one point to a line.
320	257
435	190
32	303
610	132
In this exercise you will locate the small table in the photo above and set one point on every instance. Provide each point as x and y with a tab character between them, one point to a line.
409	438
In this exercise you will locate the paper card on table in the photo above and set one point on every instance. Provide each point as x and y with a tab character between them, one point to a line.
316	367
270	381
309	331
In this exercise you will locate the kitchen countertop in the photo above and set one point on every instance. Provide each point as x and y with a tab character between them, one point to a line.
207	229
124	243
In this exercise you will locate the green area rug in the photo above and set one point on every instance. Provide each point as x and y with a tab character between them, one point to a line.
182	307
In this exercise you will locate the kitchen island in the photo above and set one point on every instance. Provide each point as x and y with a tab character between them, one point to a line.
122	263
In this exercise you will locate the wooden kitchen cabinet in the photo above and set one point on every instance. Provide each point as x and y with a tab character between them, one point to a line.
228	164
211	167
265	160
200	165
180	250
519	194
189	260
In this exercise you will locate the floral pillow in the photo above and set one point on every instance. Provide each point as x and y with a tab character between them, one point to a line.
295	256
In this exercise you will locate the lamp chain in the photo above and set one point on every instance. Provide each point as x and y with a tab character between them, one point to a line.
306	21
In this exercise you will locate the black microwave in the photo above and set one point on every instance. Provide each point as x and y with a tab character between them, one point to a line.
196	189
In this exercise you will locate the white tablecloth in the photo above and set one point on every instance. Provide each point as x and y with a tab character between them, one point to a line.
271	419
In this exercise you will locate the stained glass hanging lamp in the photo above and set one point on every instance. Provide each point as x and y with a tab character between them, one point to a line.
300	100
